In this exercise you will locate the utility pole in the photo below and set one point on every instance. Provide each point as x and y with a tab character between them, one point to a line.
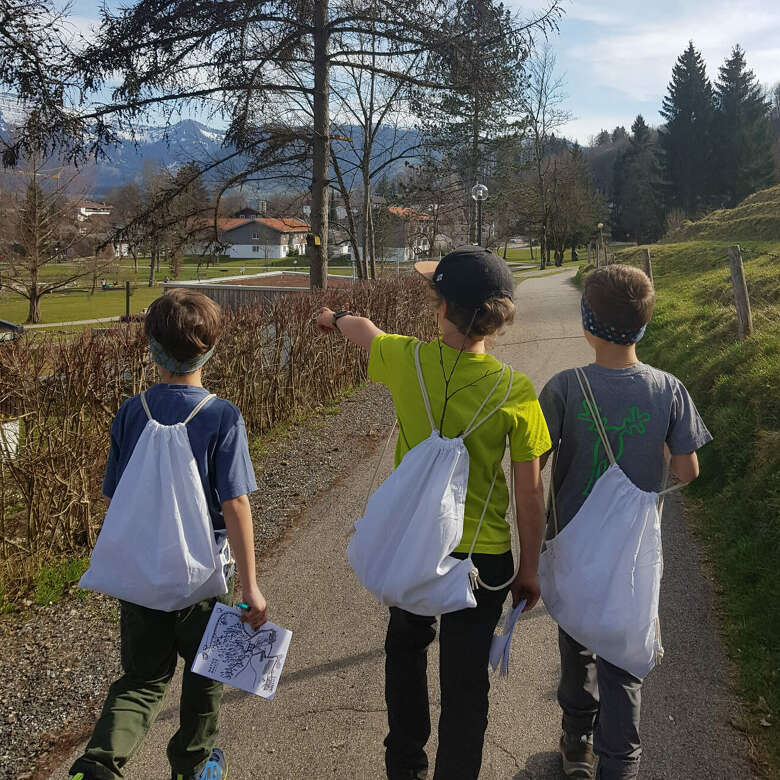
317	248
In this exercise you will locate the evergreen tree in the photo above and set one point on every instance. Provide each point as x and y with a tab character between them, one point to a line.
743	132
687	139
466	122
637	204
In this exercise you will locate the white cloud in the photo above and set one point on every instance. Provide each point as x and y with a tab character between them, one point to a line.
583	129
635	56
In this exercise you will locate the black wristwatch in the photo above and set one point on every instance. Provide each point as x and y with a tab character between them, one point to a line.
337	315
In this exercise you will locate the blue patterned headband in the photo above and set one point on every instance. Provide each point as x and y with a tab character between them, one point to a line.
164	360
593	325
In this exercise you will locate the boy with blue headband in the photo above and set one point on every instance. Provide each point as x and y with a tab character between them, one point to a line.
644	411
183	328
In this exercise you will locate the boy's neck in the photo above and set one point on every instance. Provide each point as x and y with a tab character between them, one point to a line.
609	355
193	378
453	338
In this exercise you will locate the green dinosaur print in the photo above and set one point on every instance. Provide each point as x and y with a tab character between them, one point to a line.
632	424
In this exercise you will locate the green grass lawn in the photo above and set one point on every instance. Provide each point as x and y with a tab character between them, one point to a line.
81	305
736	501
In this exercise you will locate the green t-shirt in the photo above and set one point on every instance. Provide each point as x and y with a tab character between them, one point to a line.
520	418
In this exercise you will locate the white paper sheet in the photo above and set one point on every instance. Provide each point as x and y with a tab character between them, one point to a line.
499	646
233	653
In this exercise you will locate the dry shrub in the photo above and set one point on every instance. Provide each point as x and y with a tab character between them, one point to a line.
271	363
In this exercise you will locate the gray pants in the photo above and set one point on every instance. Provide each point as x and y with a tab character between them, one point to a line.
599	698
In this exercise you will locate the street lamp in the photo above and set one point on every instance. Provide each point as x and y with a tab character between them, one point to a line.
479	192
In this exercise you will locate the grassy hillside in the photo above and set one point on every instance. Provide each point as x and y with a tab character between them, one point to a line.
736	386
757	218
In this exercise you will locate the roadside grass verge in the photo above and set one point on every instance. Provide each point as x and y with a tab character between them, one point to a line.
736	500
53	580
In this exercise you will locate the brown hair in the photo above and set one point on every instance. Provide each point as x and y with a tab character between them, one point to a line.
493	315
621	296
185	322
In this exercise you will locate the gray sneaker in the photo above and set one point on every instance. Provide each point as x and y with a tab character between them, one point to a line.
577	755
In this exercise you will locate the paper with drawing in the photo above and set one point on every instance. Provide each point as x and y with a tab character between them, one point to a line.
233	653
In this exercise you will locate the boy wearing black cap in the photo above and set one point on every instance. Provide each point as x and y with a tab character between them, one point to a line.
473	291
643	410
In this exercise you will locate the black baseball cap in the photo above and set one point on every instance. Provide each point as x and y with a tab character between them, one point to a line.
469	276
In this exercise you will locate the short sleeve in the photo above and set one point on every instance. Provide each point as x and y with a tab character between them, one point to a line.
687	432
528	437
553	406
234	474
111	477
387	352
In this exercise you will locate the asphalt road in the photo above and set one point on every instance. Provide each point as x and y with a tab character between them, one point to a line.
328	719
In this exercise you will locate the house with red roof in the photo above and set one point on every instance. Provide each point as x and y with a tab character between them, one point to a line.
258	238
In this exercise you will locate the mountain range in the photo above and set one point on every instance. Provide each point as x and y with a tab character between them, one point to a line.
177	144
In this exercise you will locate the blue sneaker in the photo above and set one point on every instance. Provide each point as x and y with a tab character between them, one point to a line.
216	769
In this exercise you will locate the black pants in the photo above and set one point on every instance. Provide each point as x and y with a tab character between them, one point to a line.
464	648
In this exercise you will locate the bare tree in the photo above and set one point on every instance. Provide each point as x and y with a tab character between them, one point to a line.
541	106
40	231
369	138
255	65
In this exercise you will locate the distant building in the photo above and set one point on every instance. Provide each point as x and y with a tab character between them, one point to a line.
249	213
259	237
90	208
406	235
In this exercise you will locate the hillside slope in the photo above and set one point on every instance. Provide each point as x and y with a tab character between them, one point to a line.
756	218
736	501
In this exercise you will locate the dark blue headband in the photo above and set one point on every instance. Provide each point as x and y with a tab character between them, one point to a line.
592	324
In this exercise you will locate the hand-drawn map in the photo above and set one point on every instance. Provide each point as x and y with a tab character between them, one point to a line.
233	653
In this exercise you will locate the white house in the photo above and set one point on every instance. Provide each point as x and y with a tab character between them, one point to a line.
90	208
259	237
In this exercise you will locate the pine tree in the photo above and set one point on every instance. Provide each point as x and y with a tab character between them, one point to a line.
687	139
743	134
637	206
466	122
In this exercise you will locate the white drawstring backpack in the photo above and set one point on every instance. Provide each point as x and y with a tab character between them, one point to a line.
157	547
401	547
601	575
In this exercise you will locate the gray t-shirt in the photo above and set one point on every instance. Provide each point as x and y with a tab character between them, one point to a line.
642	409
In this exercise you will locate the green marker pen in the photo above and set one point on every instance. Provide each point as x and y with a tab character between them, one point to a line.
241	605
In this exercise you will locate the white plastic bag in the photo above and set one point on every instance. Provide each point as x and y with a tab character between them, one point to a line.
601	575
157	547
401	547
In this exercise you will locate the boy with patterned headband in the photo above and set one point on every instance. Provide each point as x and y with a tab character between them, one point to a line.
183	328
643	410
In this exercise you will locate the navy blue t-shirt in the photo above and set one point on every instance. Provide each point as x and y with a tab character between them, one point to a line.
217	436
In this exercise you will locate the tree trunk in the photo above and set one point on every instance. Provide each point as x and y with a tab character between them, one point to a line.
34	309
318	254
371	244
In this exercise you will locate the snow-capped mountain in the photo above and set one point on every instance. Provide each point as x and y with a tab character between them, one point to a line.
179	143
169	147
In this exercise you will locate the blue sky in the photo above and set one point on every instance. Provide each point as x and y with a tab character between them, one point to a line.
616	56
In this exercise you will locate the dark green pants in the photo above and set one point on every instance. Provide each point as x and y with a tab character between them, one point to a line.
151	643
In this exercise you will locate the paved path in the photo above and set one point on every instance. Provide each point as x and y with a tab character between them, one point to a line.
72	322
328	720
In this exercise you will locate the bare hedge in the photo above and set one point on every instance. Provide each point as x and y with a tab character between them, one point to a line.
65	390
